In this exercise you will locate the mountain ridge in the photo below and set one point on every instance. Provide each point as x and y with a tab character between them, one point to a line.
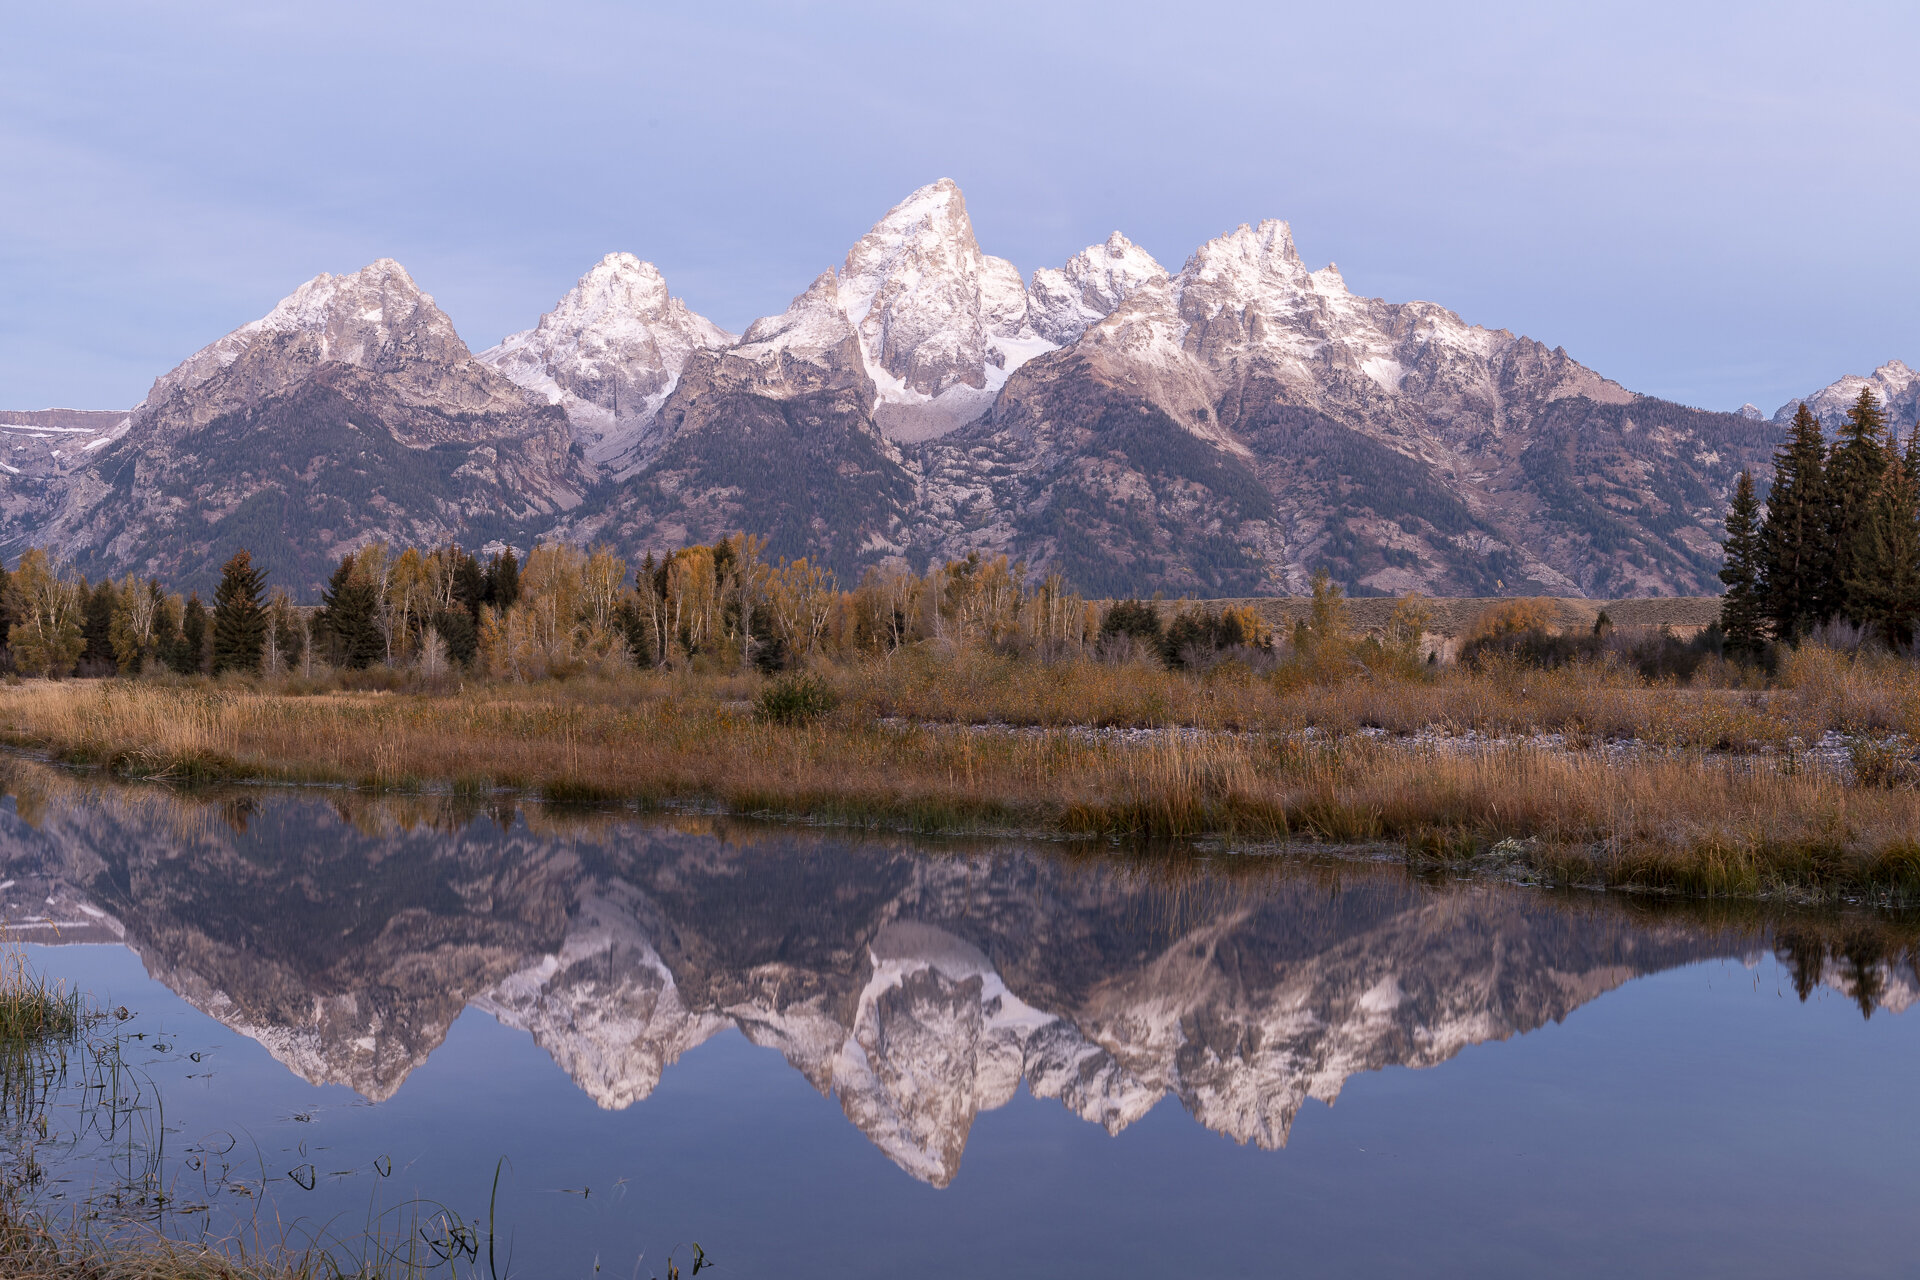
1224	429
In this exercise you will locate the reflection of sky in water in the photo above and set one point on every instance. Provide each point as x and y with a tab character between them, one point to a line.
686	1021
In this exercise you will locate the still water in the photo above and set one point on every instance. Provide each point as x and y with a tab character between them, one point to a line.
818	1054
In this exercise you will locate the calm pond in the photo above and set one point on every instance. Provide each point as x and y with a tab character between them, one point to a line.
821	1054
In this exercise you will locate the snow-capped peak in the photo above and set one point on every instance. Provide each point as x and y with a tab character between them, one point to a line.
911	286
609	352
376	318
1064	301
1248	264
1894	385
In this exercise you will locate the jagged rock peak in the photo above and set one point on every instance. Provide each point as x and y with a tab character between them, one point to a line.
376	318
1064	301
1894	385
609	352
912	287
814	326
1247	263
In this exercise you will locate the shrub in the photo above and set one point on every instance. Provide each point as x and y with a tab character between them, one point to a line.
795	699
1201	634
1134	618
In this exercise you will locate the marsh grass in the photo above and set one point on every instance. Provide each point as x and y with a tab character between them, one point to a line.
33	1011
1713	803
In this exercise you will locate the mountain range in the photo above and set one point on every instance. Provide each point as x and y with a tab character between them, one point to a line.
1220	429
917	991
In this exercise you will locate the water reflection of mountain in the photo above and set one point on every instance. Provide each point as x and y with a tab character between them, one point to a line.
920	989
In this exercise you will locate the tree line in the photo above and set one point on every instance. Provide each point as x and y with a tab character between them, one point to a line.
1838	541
561	611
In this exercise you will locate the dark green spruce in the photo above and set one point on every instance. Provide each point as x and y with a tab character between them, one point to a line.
1742	609
1883	589
190	654
1796	547
348	620
1854	468
239	621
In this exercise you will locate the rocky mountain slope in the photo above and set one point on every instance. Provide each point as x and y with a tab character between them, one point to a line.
1220	430
918	992
352	410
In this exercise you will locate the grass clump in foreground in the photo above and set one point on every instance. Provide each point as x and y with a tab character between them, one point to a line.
33	1011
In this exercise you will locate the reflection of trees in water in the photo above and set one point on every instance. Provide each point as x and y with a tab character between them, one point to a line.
1862	958
1871	956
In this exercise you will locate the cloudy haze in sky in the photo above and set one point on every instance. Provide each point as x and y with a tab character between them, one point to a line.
1712	203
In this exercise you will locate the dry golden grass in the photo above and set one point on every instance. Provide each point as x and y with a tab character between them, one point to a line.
1693	818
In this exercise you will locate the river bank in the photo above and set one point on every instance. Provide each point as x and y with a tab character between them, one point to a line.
1720	808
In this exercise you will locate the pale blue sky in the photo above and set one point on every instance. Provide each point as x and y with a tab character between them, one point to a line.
1709	202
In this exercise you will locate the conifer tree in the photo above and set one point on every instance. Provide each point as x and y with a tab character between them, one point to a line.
1796	550
470	586
6	611
166	628
1854	468
1884	589
1741	617
96	631
239	621
349	618
503	581
190	656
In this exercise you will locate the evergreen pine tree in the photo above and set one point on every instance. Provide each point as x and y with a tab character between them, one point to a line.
1884	589
1854	469
503	581
190	656
239	621
1796	552
470	586
166	627
97	658
349	619
1741	617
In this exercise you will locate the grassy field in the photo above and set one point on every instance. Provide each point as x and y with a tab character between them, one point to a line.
1713	799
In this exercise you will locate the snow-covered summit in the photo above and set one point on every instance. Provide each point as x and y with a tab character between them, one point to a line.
941	324
815	327
911	286
1064	301
376	318
609	352
1893	384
